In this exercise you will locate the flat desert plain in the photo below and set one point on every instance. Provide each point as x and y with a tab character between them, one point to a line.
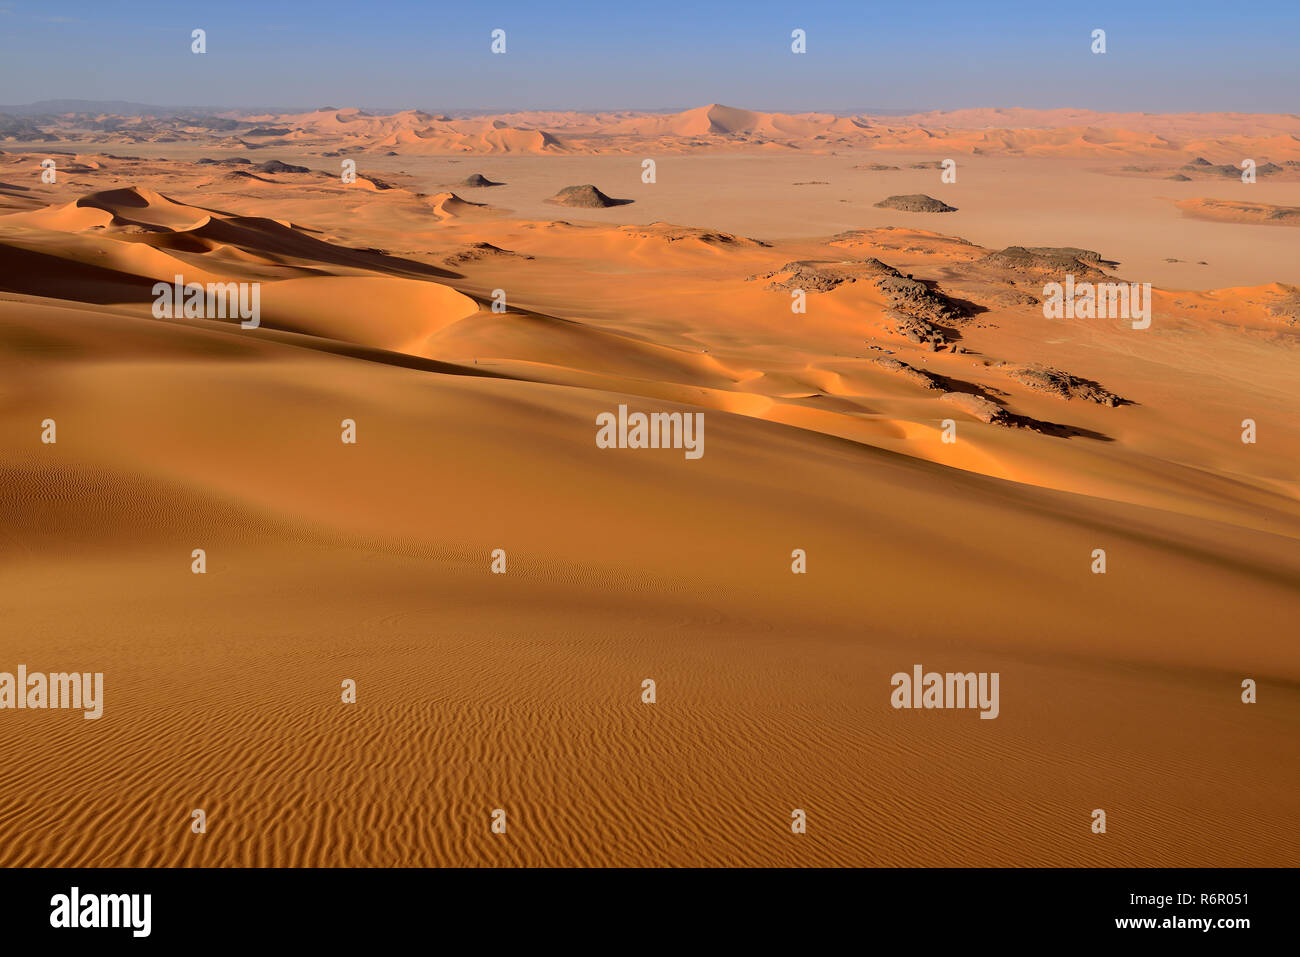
904	462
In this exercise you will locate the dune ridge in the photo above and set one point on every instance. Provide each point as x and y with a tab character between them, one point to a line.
1063	132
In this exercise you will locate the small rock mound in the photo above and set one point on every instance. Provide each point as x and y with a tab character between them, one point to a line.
275	166
912	374
672	234
978	406
473	252
918	330
477	181
1066	252
245	174
1287	307
804	275
1052	260
585	197
916	299
916	203
1064	385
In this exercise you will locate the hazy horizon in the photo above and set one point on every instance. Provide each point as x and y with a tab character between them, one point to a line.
1165	58
107	106
73	104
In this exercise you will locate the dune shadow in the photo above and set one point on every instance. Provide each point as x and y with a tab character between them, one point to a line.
950	384
965	307
1014	419
32	273
261	235
1093	384
950	334
1055	428
968	308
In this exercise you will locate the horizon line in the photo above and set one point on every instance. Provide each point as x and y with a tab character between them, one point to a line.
862	111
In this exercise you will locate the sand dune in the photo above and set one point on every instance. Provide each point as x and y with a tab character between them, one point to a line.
718	127
476	431
1234	211
450	206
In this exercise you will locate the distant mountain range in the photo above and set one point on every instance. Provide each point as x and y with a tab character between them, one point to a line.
114	107
128	108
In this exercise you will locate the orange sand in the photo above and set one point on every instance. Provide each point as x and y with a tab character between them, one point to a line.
476	431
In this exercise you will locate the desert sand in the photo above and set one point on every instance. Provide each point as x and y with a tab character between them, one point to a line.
475	431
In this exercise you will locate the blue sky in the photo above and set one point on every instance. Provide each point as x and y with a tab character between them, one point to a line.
1162	57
